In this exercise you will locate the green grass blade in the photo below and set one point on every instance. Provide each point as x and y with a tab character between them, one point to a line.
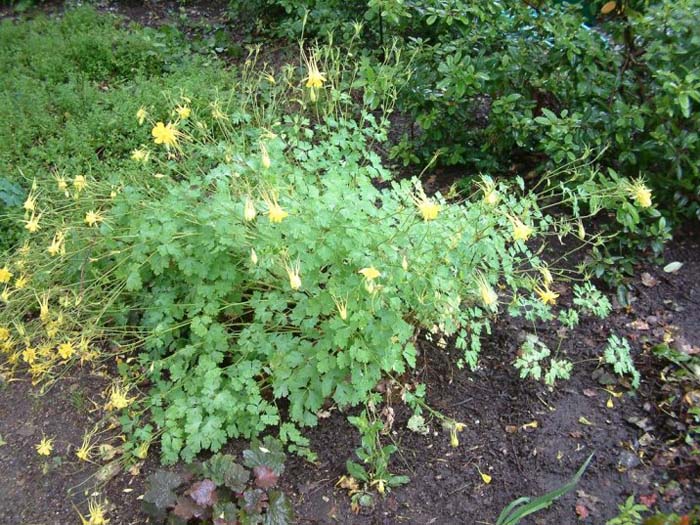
522	507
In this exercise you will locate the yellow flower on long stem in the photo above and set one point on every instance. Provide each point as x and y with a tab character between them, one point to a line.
165	134
84	453
183	112
29	355
5	274
640	193
141	115
488	296
370	273
96	514
314	78
118	398
249	212
21	282
264	156
79	183
521	231
491	196
61	183
92	218
342	307
4	334
43	307
30	204
274	211
5	295
428	208
32	225
293	274
546	275
57	244
66	350
44	447
140	155
547	296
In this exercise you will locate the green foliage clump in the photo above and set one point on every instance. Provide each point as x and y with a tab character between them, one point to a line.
73	86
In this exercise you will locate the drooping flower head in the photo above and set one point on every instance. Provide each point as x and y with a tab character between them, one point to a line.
293	271
183	112
521	231
93	218
274	211
141	115
44	447
5	274
488	188
488	296
314	78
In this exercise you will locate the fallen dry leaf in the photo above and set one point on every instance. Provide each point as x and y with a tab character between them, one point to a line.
511	429
638	324
589	392
649	280
582	511
649	499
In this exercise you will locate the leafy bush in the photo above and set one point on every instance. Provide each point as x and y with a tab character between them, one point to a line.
259	272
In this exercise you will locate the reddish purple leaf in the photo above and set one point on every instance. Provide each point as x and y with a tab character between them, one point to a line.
265	477
204	493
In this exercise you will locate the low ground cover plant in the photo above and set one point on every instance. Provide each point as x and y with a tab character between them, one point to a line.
250	273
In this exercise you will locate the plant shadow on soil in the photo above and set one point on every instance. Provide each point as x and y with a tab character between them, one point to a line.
445	484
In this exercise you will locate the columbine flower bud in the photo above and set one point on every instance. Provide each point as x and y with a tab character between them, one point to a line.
253	257
249	212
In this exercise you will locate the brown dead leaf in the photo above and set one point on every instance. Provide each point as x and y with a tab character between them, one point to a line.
638	324
589	392
581	511
648	499
576	434
649	280
511	429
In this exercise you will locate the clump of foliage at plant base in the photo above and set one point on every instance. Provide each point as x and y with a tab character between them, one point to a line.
247	261
72	86
221	491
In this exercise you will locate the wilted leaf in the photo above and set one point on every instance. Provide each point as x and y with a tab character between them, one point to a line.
673	267
348	483
225	514
608	7
648	499
265	477
511	429
108	471
582	511
204	493
279	510
416	423
589	392
649	280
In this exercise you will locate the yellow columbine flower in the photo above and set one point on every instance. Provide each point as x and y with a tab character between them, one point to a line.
293	273
21	282
249	212
5	295
315	78
140	155
521	231
404	264
183	112
581	230
118	398
274	211
44	447
92	218
84	453
5	275
342	306
32	225
488	296
57	244
546	275
79	183
142	451
641	193
370	273
61	183
43	306
4	334
141	115
265	156
216	112
428	208
253	257
66	350
547	296
96	514
30	204
165	134
29	355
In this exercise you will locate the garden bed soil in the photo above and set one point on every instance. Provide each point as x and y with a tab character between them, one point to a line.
629	440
